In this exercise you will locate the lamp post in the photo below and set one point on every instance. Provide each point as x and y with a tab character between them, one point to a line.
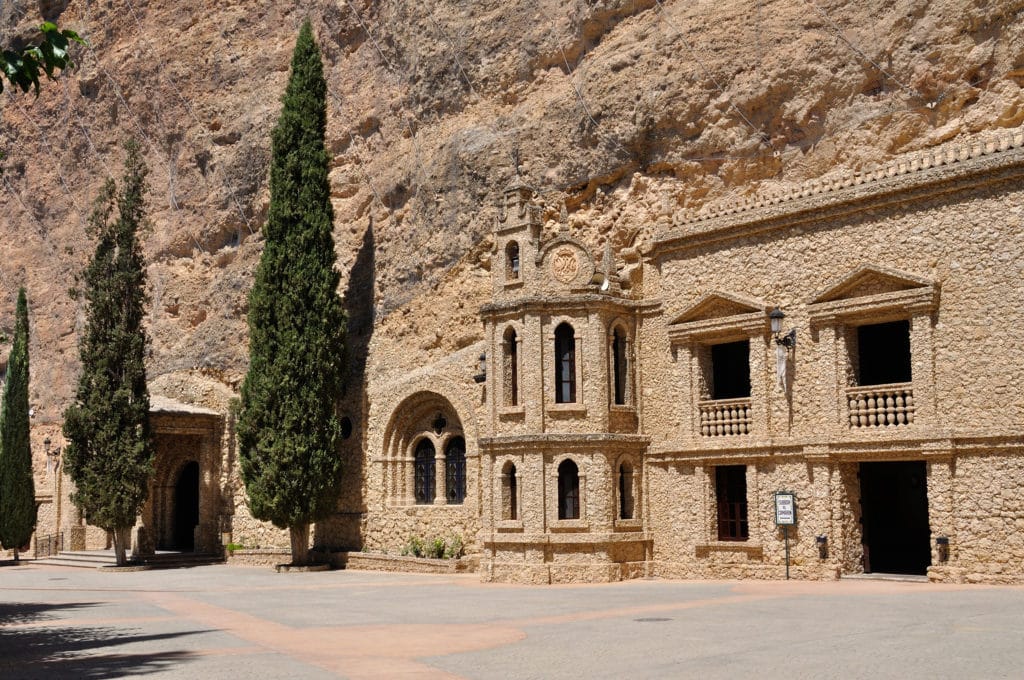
53	461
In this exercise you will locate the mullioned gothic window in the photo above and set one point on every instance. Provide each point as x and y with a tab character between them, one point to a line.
455	470
568	490
424	459
565	364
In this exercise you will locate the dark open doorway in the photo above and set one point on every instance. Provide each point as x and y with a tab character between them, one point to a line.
894	506
186	507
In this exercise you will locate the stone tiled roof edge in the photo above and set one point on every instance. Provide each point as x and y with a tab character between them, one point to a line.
163	405
907	173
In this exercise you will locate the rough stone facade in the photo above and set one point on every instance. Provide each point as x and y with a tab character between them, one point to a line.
635	413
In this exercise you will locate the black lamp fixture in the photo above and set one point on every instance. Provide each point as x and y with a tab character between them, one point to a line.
482	375
789	339
52	455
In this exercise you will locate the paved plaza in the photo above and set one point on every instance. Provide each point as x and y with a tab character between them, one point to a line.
220	621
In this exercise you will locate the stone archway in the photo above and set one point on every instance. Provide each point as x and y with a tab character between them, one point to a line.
184	508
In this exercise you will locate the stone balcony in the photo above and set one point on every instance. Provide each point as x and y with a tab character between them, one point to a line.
878	406
724	417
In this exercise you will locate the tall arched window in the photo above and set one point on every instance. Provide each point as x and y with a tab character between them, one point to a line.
509	492
424	473
620	368
455	470
511	368
512	261
565	364
625	491
568	490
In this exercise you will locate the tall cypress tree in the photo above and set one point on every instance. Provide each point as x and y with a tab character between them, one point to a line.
17	488
109	454
288	428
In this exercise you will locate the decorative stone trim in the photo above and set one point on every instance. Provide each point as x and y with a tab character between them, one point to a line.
753	551
899	303
725	417
902	180
736	327
880	406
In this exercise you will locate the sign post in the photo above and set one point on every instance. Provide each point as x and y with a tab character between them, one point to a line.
785	517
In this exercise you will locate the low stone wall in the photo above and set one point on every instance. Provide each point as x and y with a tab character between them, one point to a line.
271	557
259	557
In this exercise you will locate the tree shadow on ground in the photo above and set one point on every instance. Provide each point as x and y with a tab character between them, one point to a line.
32	647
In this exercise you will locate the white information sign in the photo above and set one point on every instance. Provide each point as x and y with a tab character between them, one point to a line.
785	509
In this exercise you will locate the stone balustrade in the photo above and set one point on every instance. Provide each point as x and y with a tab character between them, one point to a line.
724	417
880	405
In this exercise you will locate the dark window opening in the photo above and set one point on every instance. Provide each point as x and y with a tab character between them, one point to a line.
619	366
511	368
625	491
731	496
512	260
509	492
883	353
568	490
730	370
455	470
424	473
346	427
565	364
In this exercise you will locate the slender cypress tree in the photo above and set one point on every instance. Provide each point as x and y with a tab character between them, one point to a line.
17	488
288	428
109	454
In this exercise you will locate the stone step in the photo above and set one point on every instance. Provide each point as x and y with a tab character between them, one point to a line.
92	559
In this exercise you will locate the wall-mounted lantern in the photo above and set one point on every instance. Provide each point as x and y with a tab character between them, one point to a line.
822	542
942	547
52	456
482	375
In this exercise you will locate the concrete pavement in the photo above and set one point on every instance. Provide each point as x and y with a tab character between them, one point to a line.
242	622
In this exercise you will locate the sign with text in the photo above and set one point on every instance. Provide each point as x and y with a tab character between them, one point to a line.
785	509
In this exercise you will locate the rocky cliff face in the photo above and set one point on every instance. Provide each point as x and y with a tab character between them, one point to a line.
628	111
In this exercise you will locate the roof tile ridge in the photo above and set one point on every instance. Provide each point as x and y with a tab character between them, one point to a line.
909	163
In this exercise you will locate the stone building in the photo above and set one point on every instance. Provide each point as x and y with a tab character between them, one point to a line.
636	413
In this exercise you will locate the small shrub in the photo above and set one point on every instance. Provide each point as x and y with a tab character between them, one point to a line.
455	548
437	548
414	547
231	547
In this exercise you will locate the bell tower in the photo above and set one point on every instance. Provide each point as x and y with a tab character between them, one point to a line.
516	239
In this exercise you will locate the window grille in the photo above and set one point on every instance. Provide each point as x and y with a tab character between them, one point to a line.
424	472
455	470
565	364
568	490
731	495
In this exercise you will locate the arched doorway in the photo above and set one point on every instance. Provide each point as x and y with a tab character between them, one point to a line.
186	508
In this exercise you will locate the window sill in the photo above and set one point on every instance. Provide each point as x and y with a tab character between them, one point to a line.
622	408
513	284
574	410
511	412
569	525
629	524
509	525
752	550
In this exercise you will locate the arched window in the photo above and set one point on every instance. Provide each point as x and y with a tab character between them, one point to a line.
511	368
625	491
509	492
455	470
565	364
568	490
424	474
620	367
512	261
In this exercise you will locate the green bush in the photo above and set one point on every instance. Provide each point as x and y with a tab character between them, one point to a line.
437	548
414	547
455	548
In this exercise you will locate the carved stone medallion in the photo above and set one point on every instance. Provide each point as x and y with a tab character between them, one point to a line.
565	265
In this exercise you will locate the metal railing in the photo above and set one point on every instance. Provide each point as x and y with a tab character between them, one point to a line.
49	545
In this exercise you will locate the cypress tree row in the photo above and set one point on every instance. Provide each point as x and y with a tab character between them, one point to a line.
17	488
288	429
109	454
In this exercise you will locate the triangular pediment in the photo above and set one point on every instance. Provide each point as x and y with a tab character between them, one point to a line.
870	280
720	305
